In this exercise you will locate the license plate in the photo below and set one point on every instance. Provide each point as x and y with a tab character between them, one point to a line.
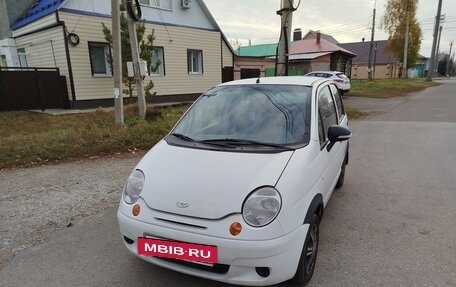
198	253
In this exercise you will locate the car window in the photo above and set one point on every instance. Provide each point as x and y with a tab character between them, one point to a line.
327	111
342	76
277	114
338	100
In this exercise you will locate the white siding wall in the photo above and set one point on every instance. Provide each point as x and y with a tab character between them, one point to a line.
41	47
89	29
93	6
46	21
46	49
176	81
8	49
193	17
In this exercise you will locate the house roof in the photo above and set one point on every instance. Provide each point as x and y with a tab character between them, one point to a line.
262	50
313	46
361	49
38	10
211	18
327	37
43	8
308	56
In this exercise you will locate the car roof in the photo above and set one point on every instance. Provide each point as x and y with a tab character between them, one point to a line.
325	72
290	80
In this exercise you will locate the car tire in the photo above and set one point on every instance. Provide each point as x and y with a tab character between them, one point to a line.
340	181
309	252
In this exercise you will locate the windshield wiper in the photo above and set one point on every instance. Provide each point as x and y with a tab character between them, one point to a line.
189	139
183	137
248	142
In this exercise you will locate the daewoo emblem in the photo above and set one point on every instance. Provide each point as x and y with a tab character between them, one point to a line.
182	204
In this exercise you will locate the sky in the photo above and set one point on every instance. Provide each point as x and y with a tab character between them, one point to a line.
346	20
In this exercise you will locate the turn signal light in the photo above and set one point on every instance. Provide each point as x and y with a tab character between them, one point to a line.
235	228
136	209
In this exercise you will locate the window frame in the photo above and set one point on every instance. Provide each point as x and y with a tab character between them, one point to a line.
190	67
321	120
152	4
340	108
107	51
161	68
22	56
3	61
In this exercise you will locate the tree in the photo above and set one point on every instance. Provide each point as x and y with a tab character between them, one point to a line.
146	49
394	22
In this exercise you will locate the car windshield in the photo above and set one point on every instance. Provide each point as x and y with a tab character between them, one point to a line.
249	114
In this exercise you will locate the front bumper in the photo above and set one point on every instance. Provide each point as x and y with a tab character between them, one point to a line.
238	258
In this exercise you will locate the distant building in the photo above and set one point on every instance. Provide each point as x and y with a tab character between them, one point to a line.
384	65
314	34
305	56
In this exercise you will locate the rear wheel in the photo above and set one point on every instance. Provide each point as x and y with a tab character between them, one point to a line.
308	258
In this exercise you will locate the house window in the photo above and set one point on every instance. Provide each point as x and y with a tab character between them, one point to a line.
157	66
3	63
100	54
160	4
22	57
195	61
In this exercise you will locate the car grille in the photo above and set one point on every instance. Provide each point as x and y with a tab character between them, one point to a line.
217	268
180	223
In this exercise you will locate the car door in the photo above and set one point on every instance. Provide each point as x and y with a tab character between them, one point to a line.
329	157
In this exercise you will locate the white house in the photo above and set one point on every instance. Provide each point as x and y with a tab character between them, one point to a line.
188	42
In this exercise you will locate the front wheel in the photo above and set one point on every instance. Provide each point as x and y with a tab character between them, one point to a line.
341	179
308	258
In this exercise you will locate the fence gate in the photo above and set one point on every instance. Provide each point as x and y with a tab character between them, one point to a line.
32	88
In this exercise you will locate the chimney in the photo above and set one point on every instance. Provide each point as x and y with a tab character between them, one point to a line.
297	34
364	39
318	37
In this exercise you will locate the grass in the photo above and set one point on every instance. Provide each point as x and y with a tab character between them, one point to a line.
387	88
354	113
30	138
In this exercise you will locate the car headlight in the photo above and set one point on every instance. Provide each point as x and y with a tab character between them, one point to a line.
133	187
262	206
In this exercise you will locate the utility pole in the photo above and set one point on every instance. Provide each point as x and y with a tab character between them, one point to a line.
434	42
437	58
369	68
136	66
453	63
407	30
448	62
286	14
375	60
116	63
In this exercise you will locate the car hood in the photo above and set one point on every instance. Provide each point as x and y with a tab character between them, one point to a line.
205	183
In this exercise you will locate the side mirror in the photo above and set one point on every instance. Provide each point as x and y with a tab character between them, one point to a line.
337	134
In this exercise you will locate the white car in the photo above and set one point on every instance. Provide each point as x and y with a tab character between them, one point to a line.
340	80
236	191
